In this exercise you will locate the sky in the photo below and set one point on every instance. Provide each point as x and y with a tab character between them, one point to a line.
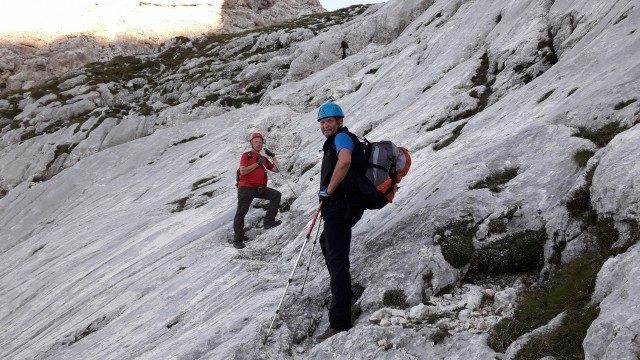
331	5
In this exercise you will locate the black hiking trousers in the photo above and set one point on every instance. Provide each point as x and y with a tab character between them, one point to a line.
335	242
246	195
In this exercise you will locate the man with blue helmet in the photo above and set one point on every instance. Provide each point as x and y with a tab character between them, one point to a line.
342	208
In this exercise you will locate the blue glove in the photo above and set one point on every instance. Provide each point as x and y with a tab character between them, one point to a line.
260	160
323	193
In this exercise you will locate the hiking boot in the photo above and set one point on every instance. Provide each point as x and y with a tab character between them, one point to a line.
327	334
240	238
238	244
272	223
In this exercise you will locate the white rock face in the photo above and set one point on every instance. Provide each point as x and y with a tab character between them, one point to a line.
115	222
610	196
612	335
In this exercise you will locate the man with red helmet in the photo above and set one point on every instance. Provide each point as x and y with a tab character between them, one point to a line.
252	184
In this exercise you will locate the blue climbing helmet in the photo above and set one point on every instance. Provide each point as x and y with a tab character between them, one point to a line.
329	110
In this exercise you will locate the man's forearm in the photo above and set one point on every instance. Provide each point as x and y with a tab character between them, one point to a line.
244	170
338	175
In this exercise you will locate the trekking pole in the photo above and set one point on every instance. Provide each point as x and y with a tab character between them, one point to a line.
315	216
310	255
269	153
286	182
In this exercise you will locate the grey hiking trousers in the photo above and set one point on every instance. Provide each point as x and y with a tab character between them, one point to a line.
245	197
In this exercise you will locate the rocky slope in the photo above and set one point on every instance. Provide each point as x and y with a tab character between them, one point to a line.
513	236
32	51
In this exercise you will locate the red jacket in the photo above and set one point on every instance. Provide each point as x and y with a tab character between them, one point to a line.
257	177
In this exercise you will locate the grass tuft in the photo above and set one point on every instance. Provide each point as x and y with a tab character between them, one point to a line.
565	342
546	96
579	203
440	335
581	157
496	179
454	135
497	226
204	182
395	298
623	104
603	135
520	252
605	233
456	243
570	288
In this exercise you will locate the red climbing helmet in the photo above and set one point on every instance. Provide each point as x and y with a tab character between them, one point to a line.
255	135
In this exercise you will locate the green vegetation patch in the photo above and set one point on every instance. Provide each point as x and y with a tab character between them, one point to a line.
239	101
440	335
579	203
395	298
546	96
520	252
624	104
456	243
605	233
48	87
497	226
10	113
57	125
548	49
184	141
180	204
480	79
145	109
570	288
568	291
581	157
454	135
204	182
495	180
120	69
565	342
603	135
426	285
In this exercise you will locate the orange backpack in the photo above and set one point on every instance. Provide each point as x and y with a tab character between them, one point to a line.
387	165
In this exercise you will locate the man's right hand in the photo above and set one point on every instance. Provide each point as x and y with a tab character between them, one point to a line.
260	160
323	193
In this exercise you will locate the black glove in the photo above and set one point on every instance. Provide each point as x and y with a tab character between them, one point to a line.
269	153
260	160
